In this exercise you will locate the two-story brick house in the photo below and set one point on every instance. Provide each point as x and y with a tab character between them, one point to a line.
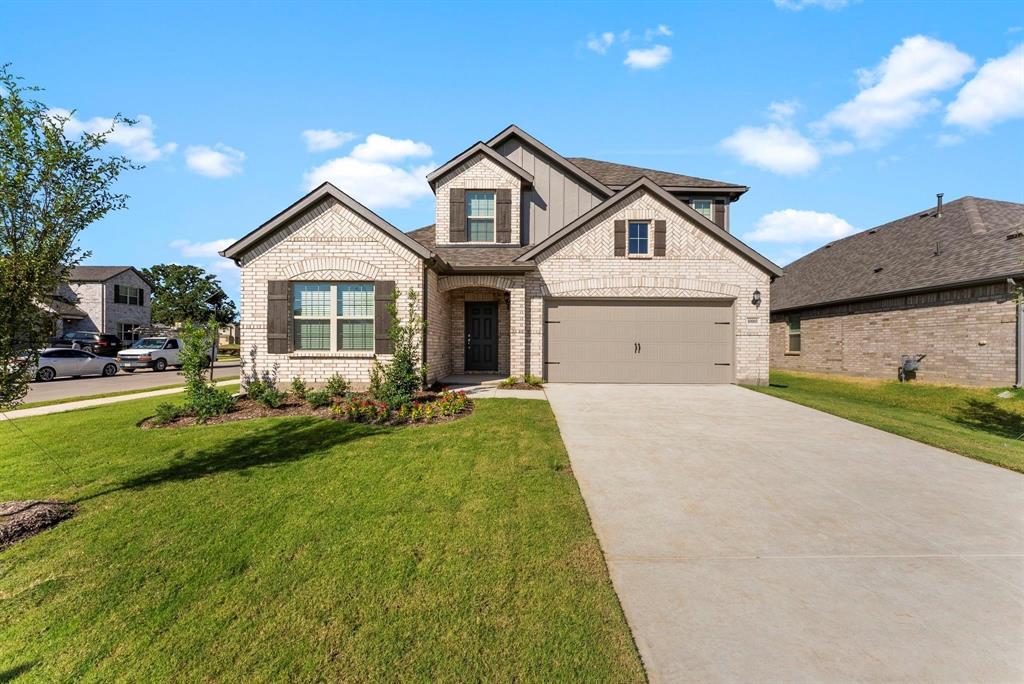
105	299
575	270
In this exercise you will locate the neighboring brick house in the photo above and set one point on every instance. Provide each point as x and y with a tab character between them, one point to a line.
936	283
106	299
570	269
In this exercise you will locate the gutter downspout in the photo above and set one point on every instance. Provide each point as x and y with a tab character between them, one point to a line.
1020	344
423	332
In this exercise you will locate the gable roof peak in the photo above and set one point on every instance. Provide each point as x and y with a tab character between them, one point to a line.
479	148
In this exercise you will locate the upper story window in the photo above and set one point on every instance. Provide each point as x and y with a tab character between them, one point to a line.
333	316
126	294
704	206
480	215
638	232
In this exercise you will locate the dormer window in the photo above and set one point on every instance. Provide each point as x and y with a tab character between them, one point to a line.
704	206
638	232
480	215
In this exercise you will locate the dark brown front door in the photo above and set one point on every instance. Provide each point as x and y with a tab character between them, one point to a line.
481	336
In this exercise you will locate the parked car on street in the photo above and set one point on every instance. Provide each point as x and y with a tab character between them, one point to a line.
100	344
151	352
62	363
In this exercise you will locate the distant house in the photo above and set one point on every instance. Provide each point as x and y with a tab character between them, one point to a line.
106	299
936	283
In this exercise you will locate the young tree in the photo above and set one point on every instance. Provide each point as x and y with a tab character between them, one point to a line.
51	188
184	293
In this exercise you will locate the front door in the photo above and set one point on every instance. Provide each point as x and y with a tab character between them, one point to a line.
481	336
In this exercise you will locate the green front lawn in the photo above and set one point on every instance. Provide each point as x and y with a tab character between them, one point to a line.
306	549
970	421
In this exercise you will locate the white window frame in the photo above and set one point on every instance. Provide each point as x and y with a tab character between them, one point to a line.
333	317
129	292
710	201
789	334
134	336
493	218
650	239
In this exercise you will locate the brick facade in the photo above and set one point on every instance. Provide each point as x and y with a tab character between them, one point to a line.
477	173
97	300
696	265
968	334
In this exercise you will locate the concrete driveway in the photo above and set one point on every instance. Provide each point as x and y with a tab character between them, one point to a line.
755	540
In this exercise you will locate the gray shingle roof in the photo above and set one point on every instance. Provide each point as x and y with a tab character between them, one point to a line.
620	175
471	256
96	274
968	243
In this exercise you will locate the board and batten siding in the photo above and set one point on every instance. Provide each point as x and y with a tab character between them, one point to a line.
556	199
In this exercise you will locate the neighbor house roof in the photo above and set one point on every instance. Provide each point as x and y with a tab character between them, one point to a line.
101	274
322	191
467	258
618	176
63	308
974	240
644	183
470	152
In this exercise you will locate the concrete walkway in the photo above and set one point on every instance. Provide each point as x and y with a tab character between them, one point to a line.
486	387
102	401
755	540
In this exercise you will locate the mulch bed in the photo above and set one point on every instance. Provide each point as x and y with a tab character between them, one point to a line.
522	386
249	409
21	519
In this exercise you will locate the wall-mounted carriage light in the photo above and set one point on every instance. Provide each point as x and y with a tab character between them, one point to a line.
756	299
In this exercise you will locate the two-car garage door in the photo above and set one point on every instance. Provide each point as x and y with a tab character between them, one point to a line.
639	341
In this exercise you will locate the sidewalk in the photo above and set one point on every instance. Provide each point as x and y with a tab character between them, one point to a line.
101	401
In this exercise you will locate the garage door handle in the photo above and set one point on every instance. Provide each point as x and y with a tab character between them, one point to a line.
723	364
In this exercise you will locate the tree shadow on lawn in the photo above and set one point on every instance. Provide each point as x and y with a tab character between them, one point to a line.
987	416
271	445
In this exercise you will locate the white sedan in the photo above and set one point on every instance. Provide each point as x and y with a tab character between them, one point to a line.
60	363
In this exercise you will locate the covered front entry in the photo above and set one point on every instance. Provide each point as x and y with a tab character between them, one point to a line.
639	341
481	323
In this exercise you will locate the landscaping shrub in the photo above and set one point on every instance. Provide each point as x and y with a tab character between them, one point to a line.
318	398
452	403
167	413
299	388
210	401
336	386
510	381
254	382
362	410
202	399
396	382
271	397
533	380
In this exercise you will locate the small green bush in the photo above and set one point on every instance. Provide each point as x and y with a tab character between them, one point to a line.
336	386
167	413
299	388
209	402
271	397
318	398
396	382
533	380
510	381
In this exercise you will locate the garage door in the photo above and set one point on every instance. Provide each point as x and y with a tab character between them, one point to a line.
639	341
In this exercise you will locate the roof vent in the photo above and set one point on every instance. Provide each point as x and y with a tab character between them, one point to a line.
938	248
872	231
878	269
1014	236
938	204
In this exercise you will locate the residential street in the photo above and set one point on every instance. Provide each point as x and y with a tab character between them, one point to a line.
63	388
751	539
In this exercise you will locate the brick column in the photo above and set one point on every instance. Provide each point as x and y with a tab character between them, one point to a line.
517	329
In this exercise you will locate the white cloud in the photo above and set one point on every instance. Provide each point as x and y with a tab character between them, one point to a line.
648	58
948	140
797	5
996	93
783	111
138	141
202	249
900	89
319	140
661	30
381	148
219	161
375	184
601	43
775	148
799	225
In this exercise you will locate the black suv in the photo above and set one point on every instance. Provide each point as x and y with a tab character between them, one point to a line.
96	343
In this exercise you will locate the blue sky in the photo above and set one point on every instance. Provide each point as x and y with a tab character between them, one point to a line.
839	116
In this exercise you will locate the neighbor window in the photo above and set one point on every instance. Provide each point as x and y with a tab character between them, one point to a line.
704	206
333	316
638	237
126	294
128	332
793	330
480	216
